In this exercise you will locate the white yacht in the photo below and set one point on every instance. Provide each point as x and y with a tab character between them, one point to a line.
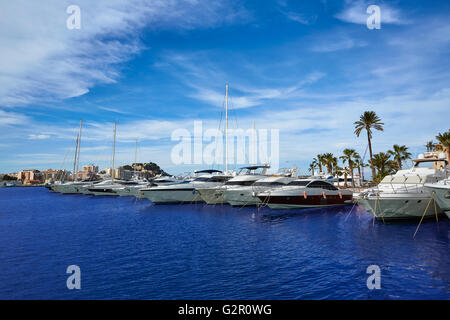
305	193
403	194
134	190
70	187
441	194
247	196
105	188
185	192
245	177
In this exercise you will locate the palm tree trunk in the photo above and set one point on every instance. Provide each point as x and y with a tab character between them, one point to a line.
359	176
399	161
370	153
353	179
345	179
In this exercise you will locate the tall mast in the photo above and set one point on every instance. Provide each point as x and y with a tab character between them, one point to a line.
79	147
253	148
226	127
75	157
113	172
135	156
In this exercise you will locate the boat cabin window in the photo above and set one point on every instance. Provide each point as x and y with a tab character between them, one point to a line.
240	183
322	185
299	183
201	179
219	179
266	183
212	179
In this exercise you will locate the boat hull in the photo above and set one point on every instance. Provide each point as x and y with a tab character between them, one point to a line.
65	188
301	202
442	196
407	207
172	196
103	192
212	196
240	198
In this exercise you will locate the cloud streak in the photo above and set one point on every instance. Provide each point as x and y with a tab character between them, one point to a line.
42	60
355	12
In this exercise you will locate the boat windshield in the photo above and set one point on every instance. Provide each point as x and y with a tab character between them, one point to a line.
301	183
322	185
268	184
212	179
240	183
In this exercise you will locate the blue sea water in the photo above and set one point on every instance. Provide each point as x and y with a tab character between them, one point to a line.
128	249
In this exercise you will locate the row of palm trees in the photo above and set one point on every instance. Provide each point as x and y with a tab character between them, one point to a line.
330	162
382	163
443	144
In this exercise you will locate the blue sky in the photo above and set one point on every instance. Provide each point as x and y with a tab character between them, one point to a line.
307	68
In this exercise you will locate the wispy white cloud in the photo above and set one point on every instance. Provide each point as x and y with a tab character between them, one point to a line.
335	41
115	110
197	75
355	12
38	136
41	60
299	17
12	118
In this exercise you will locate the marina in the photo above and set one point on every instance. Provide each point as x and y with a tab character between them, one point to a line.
251	151
130	249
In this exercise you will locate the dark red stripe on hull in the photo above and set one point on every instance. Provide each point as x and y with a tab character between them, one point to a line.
309	201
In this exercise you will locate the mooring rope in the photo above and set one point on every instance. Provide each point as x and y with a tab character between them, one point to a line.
426	209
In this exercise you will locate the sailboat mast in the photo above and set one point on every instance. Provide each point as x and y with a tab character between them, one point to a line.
79	147
226	127
135	156
113	172
75	157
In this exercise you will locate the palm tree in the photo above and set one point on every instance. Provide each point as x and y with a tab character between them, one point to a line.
349	155
319	160
358	162
382	161
328	159
444	140
400	154
312	166
368	121
429	146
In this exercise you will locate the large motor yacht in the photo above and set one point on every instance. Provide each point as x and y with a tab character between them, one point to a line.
441	193
245	177
185	192
107	188
70	187
246	196
134	190
305	193
403	195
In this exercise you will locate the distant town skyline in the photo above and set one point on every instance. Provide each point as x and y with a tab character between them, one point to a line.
307	68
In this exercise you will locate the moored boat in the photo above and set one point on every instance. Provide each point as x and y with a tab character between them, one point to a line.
403	195
305	193
245	177
441	193
185	192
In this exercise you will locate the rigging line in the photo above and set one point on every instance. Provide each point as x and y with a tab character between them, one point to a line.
365	153
233	116
62	172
